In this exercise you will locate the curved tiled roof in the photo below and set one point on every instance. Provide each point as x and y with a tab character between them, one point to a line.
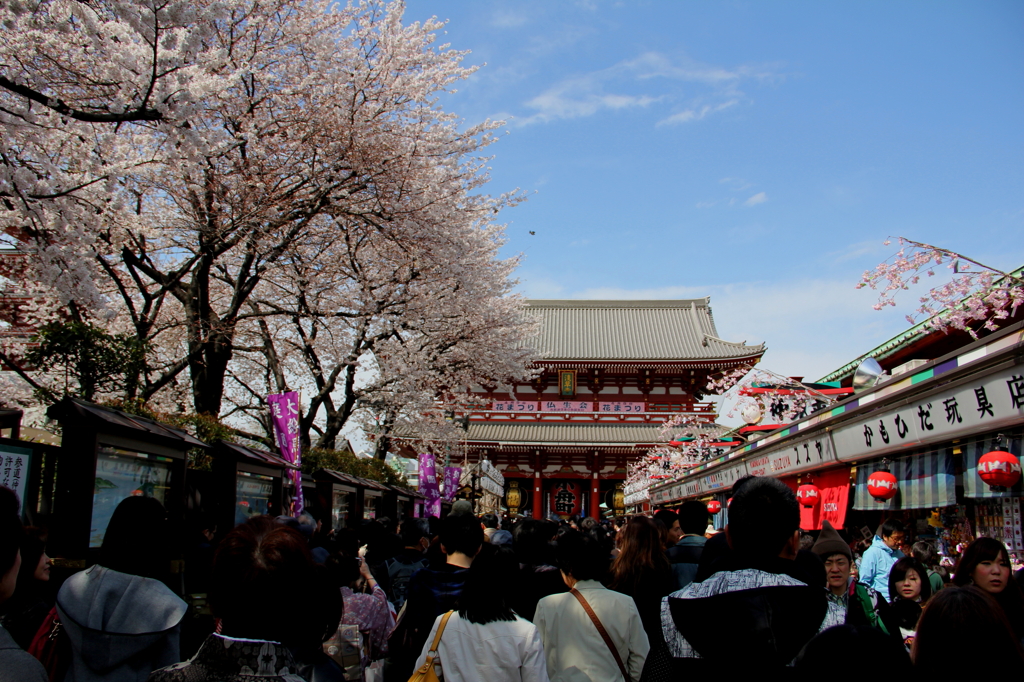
631	331
568	433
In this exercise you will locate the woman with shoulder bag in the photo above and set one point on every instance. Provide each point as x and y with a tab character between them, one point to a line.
484	639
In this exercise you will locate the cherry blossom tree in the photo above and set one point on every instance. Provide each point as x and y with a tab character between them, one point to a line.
191	173
750	391
977	293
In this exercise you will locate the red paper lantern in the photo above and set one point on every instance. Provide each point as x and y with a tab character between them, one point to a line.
999	468
728	503
882	485
675	443
714	506
808	495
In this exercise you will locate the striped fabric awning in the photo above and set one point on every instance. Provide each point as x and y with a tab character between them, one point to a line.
972	452
925	480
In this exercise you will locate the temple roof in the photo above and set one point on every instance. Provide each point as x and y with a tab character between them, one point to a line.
568	433
632	330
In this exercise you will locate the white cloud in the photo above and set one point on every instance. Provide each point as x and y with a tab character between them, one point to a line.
645	80
696	114
506	18
758	198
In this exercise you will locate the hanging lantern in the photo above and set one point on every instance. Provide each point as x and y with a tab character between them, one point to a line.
882	486
514	497
999	469
714	506
728	503
566	498
808	495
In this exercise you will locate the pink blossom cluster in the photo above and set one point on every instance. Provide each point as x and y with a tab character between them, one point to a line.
976	293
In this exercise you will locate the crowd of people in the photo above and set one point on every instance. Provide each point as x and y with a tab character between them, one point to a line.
465	599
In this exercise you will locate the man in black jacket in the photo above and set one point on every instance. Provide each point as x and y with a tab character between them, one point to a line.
685	554
760	610
433	592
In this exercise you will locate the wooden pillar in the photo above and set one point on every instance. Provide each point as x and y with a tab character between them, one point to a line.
595	497
538	497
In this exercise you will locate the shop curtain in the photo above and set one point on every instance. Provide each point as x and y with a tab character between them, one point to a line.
972	452
835	497
925	481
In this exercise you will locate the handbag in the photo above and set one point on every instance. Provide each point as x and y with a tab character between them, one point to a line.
51	646
425	673
602	631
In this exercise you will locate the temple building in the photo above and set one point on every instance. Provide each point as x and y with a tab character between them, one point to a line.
611	373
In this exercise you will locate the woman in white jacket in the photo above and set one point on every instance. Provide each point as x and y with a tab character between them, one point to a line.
576	649
484	639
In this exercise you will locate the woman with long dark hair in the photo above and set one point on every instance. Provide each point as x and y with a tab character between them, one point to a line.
909	590
986	564
957	623
32	600
484	639
641	570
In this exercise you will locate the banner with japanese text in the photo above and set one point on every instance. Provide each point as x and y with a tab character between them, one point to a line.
428	485
452	476
284	415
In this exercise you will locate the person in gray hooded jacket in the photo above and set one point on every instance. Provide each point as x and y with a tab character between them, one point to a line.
123	623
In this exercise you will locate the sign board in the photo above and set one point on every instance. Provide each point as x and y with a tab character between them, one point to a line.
15	464
989	402
814	452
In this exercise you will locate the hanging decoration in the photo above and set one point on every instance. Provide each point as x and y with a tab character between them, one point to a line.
882	485
808	495
566	498
999	469
714	506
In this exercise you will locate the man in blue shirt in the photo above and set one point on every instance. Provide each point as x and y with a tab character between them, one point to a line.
880	556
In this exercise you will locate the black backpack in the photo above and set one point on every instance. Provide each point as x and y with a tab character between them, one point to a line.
399	575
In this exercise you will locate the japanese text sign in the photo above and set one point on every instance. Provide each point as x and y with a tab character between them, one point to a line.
284	415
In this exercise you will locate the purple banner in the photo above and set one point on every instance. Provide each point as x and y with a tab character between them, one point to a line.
452	476
428	485
284	415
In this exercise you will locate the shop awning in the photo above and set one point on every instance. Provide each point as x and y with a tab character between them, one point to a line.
926	480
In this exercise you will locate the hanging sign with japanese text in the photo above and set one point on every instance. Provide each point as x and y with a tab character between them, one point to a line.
801	455
567	406
428	485
566	498
284	413
452	476
989	402
15	463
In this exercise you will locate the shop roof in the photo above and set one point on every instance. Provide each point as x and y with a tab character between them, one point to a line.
110	420
255	455
677	330
342	477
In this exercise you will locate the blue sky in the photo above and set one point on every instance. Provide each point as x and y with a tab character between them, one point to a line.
755	152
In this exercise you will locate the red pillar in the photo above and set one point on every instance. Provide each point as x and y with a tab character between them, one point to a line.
538	497
595	497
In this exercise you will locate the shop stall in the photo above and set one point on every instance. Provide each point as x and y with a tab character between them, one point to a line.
918	446
122	455
248	482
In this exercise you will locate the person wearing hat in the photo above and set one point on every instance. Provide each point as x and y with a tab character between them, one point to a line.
861	605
